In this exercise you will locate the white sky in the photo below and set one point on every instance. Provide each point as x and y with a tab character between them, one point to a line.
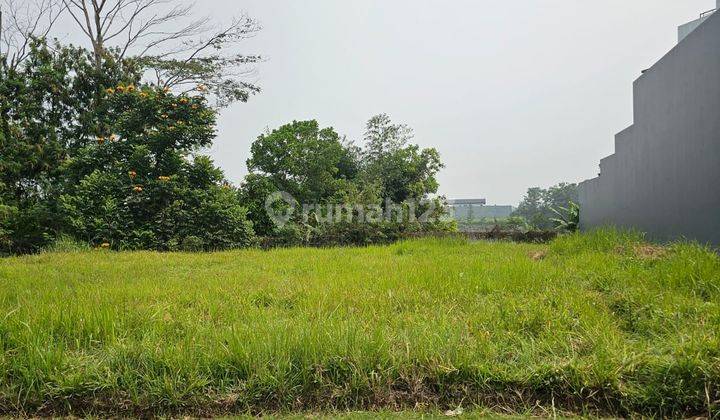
512	93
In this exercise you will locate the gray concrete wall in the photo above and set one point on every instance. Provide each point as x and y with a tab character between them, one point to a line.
686	29
664	178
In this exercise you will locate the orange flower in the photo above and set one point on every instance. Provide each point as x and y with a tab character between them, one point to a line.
110	91
105	245
101	140
131	88
138	189
164	116
120	88
132	174
194	106
202	88
143	94
164	178
113	138
174	105
184	101
166	89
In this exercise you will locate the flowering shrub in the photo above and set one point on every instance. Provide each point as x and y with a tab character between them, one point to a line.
142	187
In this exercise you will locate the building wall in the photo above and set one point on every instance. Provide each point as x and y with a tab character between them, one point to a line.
664	177
687	28
481	212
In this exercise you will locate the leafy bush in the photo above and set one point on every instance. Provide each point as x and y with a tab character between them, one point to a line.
66	244
317	167
27	228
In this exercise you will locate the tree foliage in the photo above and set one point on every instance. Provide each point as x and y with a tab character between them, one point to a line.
540	206
137	187
109	161
100	144
317	166
401	171
304	160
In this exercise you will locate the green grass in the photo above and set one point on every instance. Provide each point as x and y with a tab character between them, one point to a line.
421	326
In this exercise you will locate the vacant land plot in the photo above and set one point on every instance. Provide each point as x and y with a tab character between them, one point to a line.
597	323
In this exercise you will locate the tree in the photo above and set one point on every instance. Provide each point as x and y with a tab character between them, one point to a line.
45	115
254	192
304	160
139	187
568	218
317	166
182	53
402	171
539	205
532	207
21	22
383	137
74	121
104	159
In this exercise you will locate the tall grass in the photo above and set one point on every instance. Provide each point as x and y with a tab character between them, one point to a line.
593	327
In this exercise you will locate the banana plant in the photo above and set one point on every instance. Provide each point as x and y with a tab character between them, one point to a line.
568	217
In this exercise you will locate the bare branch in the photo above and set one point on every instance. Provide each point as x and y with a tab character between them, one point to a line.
21	23
180	50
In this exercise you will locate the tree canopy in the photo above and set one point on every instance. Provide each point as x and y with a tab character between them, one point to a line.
315	165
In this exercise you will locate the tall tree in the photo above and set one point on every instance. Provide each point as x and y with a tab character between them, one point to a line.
400	170
383	137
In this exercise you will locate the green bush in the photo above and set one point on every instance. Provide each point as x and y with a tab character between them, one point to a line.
66	244
27	228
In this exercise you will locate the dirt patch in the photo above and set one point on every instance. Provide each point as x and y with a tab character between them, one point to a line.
538	255
650	252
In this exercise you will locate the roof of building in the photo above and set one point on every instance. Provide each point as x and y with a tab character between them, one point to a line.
468	202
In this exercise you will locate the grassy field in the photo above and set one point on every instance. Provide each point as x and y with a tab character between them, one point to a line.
593	324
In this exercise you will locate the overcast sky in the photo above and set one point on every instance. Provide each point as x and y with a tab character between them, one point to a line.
512	93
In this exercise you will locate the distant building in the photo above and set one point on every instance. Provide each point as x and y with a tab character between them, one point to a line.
477	209
467	202
664	177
